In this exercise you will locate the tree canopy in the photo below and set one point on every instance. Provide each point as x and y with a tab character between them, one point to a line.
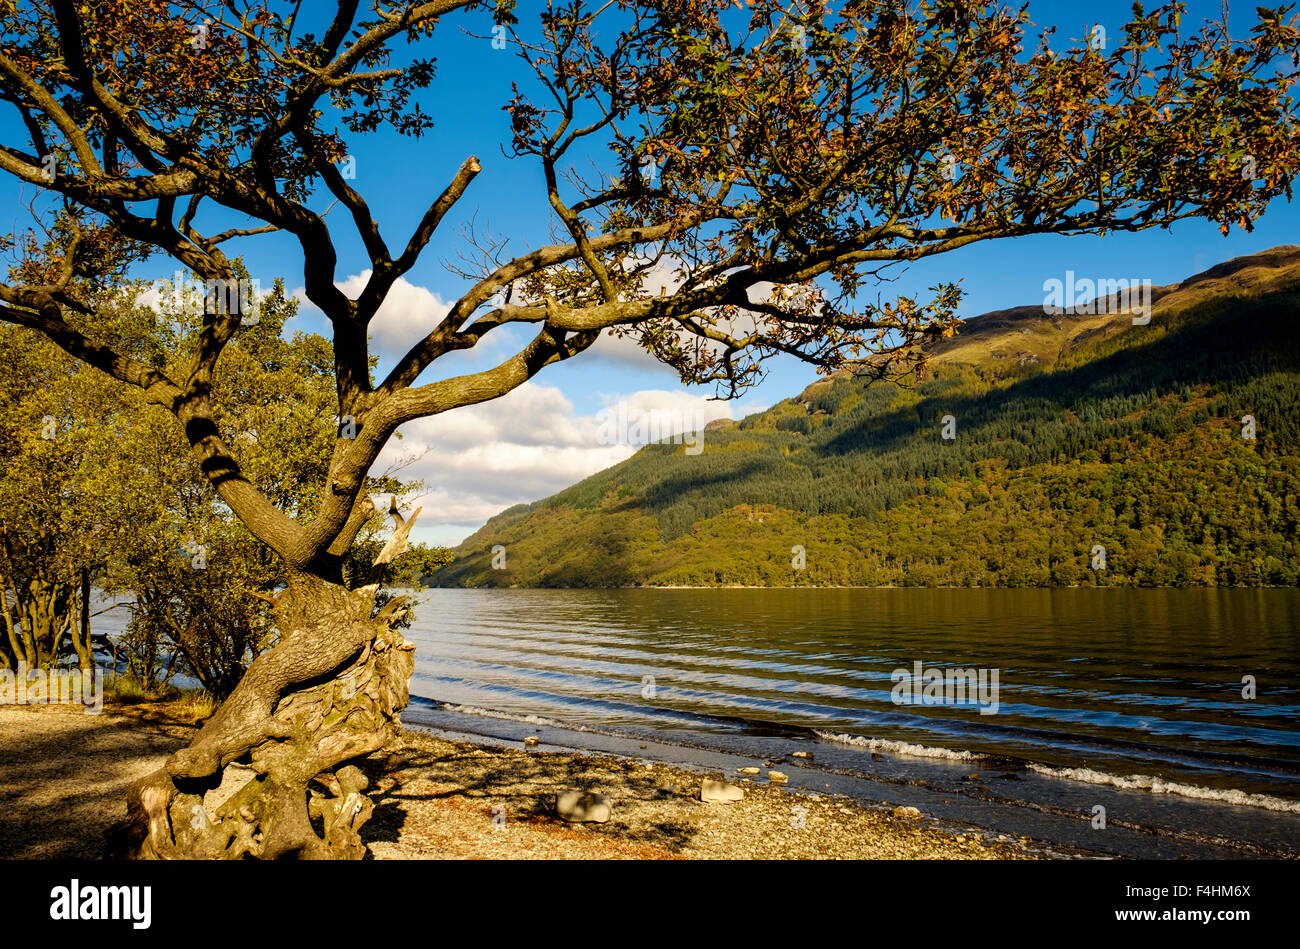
797	148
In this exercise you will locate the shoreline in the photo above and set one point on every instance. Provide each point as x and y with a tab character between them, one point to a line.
1002	796
451	791
64	774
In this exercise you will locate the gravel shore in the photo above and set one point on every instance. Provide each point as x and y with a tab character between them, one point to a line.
64	774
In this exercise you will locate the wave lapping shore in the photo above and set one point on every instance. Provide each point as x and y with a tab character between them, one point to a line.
1001	794
64	777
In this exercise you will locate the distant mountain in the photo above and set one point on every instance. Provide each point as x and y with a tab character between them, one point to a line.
1073	433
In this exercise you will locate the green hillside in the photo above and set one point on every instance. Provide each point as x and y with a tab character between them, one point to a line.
1071	432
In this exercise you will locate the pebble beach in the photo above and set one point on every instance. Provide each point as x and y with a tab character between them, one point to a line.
64	774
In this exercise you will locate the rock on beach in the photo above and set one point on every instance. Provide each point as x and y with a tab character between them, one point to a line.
580	807
720	792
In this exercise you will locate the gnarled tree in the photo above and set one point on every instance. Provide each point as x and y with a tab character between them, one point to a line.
770	158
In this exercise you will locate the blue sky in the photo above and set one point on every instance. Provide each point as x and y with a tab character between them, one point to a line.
542	438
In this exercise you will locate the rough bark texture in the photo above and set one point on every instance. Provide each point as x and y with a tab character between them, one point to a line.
330	693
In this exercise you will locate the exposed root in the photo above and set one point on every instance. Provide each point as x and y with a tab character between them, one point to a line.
330	693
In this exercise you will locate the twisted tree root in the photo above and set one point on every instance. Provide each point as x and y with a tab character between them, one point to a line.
329	694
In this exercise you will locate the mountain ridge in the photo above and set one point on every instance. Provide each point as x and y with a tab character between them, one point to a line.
1053	413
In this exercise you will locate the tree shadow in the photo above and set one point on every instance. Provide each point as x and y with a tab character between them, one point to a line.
521	788
63	785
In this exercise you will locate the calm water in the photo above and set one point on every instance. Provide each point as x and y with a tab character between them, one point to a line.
1124	688
1131	699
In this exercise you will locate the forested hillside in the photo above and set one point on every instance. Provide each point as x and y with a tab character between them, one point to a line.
1072	433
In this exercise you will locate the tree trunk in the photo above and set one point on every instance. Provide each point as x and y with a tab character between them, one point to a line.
328	695
81	640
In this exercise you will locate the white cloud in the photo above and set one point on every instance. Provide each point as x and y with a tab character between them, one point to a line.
674	412
410	311
527	445
624	351
407	314
530	415
663	277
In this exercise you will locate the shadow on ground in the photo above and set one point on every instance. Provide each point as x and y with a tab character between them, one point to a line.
64	775
513	787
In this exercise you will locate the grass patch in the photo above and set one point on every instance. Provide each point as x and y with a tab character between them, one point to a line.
188	705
